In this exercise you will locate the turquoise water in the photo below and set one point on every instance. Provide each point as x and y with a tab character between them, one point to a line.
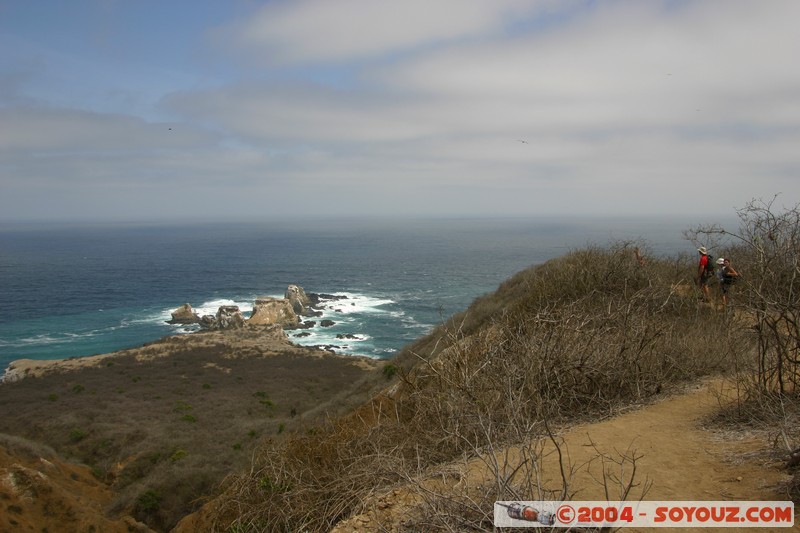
80	290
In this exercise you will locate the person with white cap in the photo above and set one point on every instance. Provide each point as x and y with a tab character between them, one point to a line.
705	271
727	276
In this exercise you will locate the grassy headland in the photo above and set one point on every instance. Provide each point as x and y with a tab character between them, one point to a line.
163	424
307	441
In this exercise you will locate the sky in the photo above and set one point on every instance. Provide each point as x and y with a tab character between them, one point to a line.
145	110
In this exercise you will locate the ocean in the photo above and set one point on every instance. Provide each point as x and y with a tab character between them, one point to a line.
78	290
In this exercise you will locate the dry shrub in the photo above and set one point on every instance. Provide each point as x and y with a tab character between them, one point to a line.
793	487
309	480
456	499
25	448
765	250
575	337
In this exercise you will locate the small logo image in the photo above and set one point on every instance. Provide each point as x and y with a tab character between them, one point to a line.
525	512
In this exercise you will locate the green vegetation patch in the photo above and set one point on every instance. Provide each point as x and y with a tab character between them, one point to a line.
178	454
77	435
148	502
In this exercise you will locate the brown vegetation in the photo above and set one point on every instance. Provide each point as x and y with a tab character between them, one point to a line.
766	249
38	492
577	337
165	423
477	411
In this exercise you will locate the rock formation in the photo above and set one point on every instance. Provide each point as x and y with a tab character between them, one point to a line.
228	317
269	310
298	299
184	315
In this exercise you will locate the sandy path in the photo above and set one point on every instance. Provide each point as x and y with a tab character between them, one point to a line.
684	460
679	457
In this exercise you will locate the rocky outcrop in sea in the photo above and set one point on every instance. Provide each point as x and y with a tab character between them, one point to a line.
184	315
267	311
299	300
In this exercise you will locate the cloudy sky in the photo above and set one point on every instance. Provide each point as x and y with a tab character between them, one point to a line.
185	109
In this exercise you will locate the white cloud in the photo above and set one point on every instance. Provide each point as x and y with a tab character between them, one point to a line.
313	31
625	106
300	114
626	65
37	130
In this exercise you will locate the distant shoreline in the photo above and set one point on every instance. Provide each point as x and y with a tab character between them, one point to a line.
267	340
80	291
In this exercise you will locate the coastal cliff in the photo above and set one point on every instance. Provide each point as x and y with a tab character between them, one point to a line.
575	359
481	410
159	426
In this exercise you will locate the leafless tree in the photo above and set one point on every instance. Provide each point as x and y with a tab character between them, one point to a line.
766	247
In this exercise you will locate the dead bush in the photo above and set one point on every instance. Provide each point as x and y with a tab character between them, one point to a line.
765	250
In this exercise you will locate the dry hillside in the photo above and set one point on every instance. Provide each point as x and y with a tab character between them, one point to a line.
477	404
593	375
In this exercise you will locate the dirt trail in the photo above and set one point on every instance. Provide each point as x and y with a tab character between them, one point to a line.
682	459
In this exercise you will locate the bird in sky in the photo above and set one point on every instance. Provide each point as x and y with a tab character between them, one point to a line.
521	141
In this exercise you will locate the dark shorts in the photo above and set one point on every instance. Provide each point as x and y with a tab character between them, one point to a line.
725	284
704	279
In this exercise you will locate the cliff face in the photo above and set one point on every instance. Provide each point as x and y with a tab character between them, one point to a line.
46	494
298	299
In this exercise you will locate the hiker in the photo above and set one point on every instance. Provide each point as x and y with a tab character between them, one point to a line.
637	255
727	276
705	271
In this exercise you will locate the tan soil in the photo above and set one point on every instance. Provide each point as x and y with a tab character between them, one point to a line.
681	457
37	494
684	459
